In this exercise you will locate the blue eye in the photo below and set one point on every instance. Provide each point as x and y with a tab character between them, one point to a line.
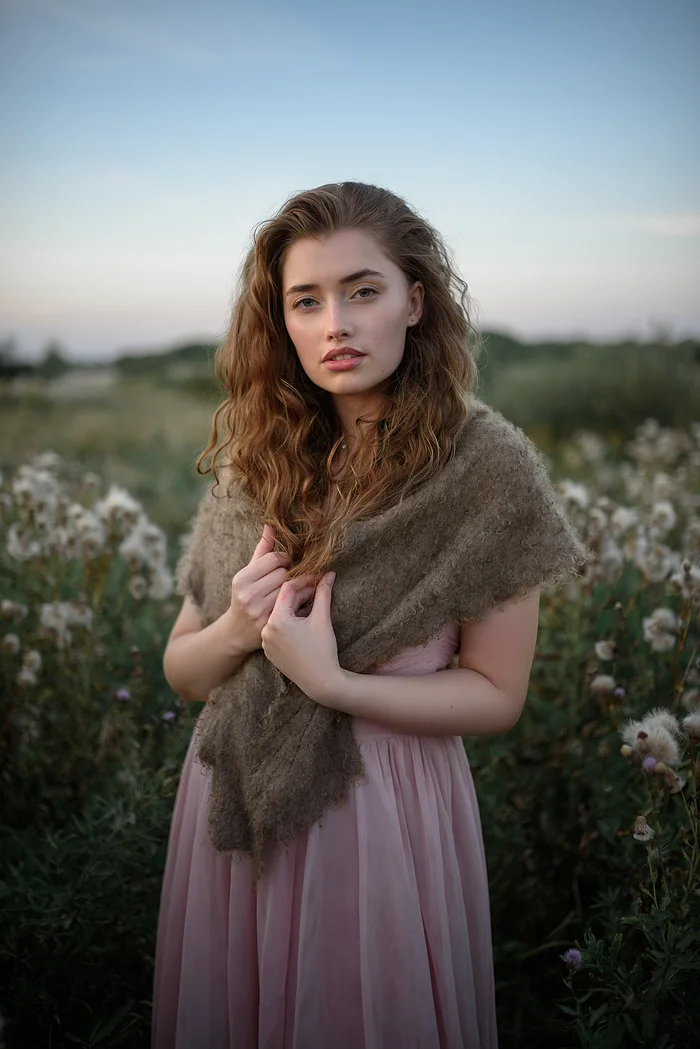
307	298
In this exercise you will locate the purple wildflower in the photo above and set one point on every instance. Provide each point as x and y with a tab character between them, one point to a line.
649	763
123	695
619	692
169	716
573	958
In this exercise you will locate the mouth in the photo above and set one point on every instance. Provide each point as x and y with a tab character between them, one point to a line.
342	351
345	364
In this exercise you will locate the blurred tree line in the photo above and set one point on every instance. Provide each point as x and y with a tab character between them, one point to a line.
550	389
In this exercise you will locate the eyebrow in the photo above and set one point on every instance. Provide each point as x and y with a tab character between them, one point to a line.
296	288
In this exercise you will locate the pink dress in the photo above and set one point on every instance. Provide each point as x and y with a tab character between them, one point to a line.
370	931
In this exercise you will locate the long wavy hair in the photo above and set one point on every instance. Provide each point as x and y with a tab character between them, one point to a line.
276	433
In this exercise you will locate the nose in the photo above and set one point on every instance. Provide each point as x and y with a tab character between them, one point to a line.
337	324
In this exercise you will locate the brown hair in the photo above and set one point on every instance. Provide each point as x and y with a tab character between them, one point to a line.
277	431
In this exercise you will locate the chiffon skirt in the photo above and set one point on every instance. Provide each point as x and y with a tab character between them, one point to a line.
370	931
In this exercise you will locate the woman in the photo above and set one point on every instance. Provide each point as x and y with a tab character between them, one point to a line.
348	371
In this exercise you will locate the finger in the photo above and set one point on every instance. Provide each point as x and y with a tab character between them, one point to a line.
322	597
307	593
266	565
292	594
266	544
270	582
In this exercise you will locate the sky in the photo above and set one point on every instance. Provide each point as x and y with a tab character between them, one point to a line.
555	144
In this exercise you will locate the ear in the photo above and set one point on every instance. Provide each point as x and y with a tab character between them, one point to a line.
415	303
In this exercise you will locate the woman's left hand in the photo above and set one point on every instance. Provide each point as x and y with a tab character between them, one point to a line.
304	649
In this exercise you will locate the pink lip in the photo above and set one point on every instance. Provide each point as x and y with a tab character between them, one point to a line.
344	366
341	349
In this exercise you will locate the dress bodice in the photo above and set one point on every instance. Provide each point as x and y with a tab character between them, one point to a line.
425	659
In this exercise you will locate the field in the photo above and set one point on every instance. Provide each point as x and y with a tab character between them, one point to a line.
593	854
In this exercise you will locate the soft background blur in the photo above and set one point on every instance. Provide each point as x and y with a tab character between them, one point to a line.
556	147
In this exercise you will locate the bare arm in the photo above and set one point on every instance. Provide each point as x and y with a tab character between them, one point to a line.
198	659
483	696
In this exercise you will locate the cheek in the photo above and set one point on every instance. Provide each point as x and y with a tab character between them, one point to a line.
391	325
295	332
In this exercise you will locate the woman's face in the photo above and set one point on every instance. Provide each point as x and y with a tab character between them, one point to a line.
369	313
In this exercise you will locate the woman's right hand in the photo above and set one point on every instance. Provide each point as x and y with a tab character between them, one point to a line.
254	591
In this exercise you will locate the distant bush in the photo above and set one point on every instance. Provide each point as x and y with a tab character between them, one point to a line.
605	389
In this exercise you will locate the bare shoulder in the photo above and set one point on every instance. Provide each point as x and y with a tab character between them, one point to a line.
501	646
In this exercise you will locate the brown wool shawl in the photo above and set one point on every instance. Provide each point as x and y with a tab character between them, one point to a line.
486	529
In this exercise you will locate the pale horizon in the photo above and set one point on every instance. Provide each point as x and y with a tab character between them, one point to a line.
555	147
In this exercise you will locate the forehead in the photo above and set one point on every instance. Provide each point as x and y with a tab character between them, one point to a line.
327	260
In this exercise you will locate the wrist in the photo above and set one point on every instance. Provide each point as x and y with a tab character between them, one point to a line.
230	636
336	691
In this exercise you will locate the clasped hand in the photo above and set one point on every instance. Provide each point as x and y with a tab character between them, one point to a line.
304	648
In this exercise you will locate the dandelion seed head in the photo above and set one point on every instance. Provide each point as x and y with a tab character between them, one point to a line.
674	783
161	585
658	627
10	644
35	489
663	486
138	587
622	520
13	610
605	650
57	618
573	494
597	520
690	698
26	678
48	460
691	724
21	545
602	684
687	583
657	735
32	660
662	517
642	830
656	563
92	482
119	508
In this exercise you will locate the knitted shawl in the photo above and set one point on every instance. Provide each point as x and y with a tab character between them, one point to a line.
486	529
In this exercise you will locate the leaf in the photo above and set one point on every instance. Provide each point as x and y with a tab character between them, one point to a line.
597	1014
631	1026
567	1009
105	1027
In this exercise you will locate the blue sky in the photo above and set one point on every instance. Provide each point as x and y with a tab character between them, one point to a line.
554	144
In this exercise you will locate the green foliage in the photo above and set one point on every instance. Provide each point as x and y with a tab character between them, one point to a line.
88	779
557	805
91	744
600	388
